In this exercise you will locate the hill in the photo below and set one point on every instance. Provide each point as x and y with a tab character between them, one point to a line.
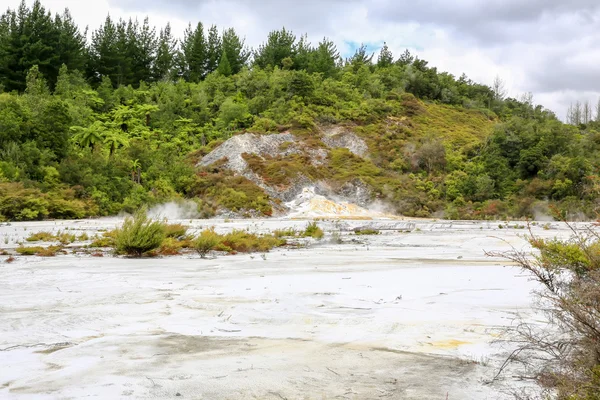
97	134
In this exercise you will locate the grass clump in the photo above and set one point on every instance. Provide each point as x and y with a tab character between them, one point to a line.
38	251
66	238
245	242
314	231
206	241
41	237
28	251
288	232
139	234
48	251
366	231
107	240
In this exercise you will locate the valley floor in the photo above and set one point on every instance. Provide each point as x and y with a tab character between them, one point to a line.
400	315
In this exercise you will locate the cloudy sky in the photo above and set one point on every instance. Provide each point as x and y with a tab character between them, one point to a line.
547	47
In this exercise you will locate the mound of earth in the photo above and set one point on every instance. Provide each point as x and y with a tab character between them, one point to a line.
353	194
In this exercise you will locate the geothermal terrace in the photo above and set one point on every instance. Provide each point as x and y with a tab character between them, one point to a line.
412	313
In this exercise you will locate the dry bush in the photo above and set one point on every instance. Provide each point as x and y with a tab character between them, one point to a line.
564	356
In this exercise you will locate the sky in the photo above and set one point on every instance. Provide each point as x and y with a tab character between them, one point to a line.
546	47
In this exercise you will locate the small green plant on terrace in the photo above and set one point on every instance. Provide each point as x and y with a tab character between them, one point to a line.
28	251
206	241
139	234
288	232
314	231
366	231
41	237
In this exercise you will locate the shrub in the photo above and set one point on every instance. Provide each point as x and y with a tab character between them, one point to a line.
314	231
175	230
139	234
567	352
206	241
170	247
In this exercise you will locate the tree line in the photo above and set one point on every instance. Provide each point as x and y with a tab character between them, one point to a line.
130	52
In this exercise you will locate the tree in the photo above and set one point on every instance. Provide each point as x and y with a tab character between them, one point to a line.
142	46
586	112
237	53
166	49
499	88
324	59
30	38
194	53
279	45
360	58
386	58
405	58
106	59
224	66
89	136
214	50
71	43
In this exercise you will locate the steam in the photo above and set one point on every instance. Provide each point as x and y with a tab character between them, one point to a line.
184	209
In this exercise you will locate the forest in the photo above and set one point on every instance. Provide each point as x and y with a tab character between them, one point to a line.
93	124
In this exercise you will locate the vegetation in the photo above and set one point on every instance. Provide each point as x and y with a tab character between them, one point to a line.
566	355
139	234
313	230
93	128
206	241
366	231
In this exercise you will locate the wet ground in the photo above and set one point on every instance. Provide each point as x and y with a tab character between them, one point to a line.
407	314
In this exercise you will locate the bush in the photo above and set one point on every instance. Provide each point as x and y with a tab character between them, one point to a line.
312	230
175	230
567	353
139	234
206	241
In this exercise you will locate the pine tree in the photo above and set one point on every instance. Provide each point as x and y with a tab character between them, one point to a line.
324	59
29	37
386	58
224	66
166	50
71	44
194	53
360	58
279	46
214	50
142	50
406	58
105	54
237	53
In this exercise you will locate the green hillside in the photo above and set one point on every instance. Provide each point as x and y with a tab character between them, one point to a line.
96	128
